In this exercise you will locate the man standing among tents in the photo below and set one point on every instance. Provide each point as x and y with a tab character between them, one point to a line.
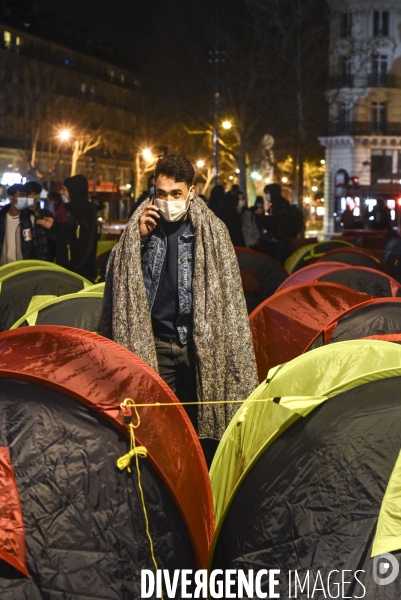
174	297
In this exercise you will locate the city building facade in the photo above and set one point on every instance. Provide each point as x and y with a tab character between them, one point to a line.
54	99
363	139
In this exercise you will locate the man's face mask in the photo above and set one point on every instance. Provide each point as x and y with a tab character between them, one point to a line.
173	210
23	203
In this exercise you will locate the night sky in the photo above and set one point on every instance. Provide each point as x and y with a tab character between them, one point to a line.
120	22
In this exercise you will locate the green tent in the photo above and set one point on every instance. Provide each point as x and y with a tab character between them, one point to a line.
291	392
24	289
98	288
20	265
307	254
104	246
82	310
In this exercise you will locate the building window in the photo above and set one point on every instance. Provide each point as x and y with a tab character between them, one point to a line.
83	87
379	117
111	75
346	25
122	78
381	164
380	23
345	115
346	69
7	39
380	69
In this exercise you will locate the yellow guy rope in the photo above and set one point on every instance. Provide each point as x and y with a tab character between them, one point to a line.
125	461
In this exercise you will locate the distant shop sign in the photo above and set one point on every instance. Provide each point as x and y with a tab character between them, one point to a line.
388	181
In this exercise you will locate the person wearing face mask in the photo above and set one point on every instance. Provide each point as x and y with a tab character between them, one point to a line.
77	235
173	296
21	237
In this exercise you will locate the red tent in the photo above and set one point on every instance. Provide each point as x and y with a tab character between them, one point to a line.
353	256
285	323
100	374
363	279
376	317
310	273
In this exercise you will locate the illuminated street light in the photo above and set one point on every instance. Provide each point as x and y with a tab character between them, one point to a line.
267	180
128	186
322	162
65	135
254	174
314	188
200	164
284	179
259	177
307	200
237	171
147	154
226	124
231	177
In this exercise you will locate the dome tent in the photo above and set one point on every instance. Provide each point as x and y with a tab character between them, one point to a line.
286	323
363	279
261	276
19	265
82	310
307	254
353	256
381	316
300	474
309	273
84	527
26	288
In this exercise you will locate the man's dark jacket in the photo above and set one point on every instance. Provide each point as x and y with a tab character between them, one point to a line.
33	244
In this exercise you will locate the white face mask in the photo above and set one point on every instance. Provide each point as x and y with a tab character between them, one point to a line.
23	203
64	199
172	210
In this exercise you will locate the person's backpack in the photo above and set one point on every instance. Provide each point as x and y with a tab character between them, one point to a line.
295	221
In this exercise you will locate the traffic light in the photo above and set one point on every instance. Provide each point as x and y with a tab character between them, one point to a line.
355	183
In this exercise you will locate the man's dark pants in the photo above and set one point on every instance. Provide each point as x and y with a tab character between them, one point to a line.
177	368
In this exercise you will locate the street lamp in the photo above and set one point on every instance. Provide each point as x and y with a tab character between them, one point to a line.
284	179
147	154
314	188
64	135
226	124
200	164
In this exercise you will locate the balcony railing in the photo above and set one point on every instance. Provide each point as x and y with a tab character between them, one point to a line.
374	80
363	128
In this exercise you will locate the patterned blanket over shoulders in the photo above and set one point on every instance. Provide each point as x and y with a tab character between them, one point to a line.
224	355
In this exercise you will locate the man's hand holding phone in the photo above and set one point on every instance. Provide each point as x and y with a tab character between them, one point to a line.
149	219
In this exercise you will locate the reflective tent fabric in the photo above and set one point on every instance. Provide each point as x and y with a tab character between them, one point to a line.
260	275
27	288
82	311
376	317
307	254
363	279
84	526
353	256
309	273
313	499
292	391
287	321
100	374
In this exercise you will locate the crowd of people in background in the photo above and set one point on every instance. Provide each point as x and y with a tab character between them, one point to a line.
66	232
267	226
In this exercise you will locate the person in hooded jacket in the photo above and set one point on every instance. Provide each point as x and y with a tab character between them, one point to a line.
279	210
21	237
77	235
228	213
